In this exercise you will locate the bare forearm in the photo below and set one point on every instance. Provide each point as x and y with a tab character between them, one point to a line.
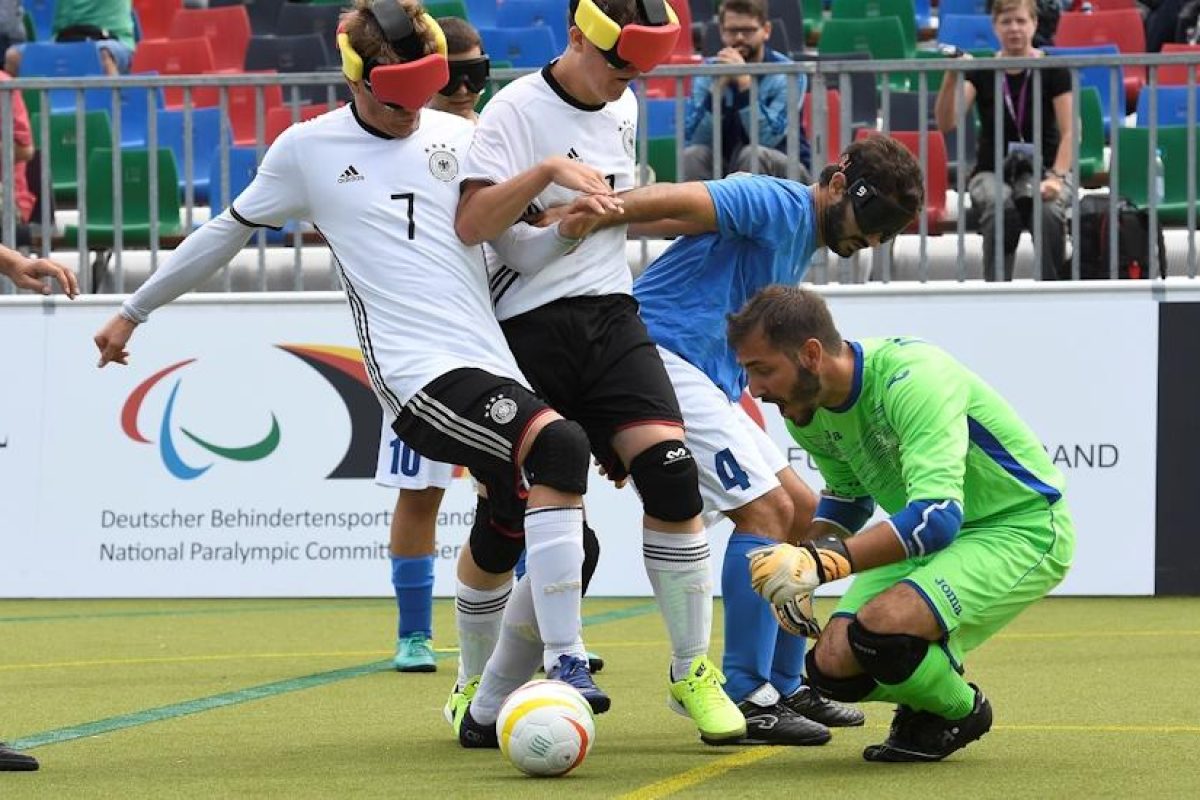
943	110
683	204
875	546
486	210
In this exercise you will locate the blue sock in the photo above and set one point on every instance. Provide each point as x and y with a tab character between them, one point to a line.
749	624
519	569
412	579
787	669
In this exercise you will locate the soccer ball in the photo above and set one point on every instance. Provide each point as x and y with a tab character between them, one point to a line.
545	728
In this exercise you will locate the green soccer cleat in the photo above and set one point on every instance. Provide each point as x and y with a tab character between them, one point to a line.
414	653
699	695
458	703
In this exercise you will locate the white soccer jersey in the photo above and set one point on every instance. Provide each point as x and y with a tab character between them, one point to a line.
386	207
528	121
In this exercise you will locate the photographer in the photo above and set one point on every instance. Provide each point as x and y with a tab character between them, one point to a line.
1015	22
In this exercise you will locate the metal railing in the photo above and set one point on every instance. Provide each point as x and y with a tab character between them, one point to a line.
818	74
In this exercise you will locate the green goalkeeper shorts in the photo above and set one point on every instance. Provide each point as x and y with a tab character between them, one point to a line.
988	575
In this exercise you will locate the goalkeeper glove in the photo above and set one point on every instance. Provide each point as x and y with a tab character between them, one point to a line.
782	572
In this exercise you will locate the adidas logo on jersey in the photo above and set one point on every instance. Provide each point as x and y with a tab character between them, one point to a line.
571	154
350	175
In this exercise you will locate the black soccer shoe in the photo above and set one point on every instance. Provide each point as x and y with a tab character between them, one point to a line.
807	702
923	736
779	725
476	735
12	761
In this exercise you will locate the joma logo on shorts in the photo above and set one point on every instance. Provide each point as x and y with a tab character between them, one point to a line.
950	595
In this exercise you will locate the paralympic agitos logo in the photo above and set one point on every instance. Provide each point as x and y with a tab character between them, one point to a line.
341	367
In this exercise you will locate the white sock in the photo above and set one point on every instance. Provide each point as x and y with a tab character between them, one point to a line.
679	570
517	655
477	613
554	567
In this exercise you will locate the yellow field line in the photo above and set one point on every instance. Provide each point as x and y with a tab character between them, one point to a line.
686	780
1105	634
1099	728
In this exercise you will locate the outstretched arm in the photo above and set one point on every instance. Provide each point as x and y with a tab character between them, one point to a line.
27	273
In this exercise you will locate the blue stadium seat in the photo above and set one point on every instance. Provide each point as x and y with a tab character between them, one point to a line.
660	117
526	47
42	14
61	60
206	141
243	164
535	13
1099	76
948	7
1172	106
968	32
136	105
482	13
924	14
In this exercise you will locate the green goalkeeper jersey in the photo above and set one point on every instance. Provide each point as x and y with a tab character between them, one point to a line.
918	425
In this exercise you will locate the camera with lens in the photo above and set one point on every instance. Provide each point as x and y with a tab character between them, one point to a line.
1018	174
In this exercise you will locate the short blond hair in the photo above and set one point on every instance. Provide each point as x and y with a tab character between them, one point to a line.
366	36
1004	6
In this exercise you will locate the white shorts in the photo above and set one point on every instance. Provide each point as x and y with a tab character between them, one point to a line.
738	461
401	467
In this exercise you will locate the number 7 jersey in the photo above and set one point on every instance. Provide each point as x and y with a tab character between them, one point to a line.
386	207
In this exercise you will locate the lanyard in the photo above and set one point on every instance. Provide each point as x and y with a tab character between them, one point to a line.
1017	118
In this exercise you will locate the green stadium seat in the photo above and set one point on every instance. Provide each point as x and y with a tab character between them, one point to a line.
881	37
448	8
135	197
64	176
1133	175
1091	139
902	10
660	152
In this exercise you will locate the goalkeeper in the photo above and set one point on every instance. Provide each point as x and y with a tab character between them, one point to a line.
978	527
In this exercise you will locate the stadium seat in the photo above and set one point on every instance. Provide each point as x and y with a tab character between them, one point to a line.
1123	28
1097	77
902	10
904	114
1133	170
968	32
135	197
529	47
154	16
296	19
482	13
551	14
226	29
660	153
814	20
280	119
948	7
63	167
41	13
207	127
882	38
683	45
263	13
307	53
833	123
660	118
665	87
136	105
60	60
1172	105
452	8
936	174
792	14
1091	138
1177	75
174	57
243	164
243	108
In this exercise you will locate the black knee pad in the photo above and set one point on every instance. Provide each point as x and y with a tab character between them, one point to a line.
887	657
493	550
668	481
559	457
591	554
844	690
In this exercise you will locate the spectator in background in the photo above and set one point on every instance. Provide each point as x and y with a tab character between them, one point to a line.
12	23
27	273
109	23
745	29
469	70
23	150
1015	22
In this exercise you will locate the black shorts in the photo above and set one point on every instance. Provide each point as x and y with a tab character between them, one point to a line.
477	419
592	359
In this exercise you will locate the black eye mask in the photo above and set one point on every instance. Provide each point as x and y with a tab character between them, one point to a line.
473	72
876	214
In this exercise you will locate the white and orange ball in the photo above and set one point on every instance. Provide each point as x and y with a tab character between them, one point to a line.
546	728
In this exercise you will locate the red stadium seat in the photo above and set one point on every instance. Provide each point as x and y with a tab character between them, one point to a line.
170	57
227	30
1177	75
279	118
937	174
665	87
154	16
683	45
243	108
1123	27
833	118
